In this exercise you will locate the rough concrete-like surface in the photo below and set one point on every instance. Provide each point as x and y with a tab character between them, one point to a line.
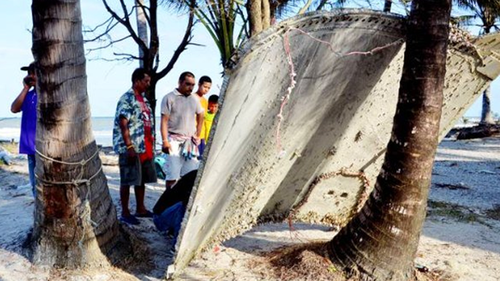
337	121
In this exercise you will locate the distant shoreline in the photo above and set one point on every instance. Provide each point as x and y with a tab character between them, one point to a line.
19	117
102	129
92	117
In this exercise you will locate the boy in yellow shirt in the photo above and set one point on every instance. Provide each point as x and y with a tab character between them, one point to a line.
204	85
213	107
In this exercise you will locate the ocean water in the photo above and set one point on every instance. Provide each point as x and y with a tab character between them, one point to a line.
102	128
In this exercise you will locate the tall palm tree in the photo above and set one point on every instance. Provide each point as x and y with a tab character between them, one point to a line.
262	13
488	13
75	219
387	5
380	242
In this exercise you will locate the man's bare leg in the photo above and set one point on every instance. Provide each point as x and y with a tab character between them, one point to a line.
140	190
124	197
169	184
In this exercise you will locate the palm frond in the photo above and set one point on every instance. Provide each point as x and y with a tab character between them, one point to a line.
487	11
463	20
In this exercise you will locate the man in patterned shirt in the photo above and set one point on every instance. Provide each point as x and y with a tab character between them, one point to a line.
133	140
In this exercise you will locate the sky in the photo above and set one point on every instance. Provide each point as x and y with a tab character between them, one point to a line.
106	80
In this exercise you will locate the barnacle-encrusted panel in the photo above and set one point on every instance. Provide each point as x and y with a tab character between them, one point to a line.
272	147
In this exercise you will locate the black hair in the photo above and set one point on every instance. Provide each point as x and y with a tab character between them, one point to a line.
139	74
204	79
184	75
213	99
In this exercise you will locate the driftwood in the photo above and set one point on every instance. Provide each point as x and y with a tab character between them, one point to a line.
479	131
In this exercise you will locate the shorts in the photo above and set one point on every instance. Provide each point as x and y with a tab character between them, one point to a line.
176	165
136	173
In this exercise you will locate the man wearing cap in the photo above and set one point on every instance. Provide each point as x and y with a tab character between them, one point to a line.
26	102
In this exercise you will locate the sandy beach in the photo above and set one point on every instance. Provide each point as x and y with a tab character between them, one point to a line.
460	239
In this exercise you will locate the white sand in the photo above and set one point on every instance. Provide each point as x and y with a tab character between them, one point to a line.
461	236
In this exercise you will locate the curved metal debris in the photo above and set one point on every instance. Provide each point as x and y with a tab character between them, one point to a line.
321	158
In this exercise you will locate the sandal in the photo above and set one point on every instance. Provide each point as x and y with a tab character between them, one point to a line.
148	214
132	220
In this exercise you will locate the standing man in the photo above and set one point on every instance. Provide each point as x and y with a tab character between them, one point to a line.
204	85
180	131
134	142
26	102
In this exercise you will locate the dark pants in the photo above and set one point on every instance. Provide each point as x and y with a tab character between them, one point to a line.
31	170
201	148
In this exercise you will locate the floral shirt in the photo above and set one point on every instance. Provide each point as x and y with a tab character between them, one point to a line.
129	108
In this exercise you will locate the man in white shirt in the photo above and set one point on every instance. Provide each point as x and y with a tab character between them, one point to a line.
181	122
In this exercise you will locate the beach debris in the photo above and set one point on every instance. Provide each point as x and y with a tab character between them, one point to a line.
494	213
479	131
421	268
308	262
460	185
216	249
488	172
24	186
108	160
19	194
5	156
170	272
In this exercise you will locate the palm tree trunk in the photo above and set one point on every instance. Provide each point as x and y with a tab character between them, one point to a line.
254	10
75	220
142	28
387	6
381	241
266	14
486	116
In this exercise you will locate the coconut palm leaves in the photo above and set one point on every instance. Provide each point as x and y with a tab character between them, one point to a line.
231	22
220	18
487	11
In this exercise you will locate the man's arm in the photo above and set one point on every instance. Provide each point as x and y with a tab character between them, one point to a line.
126	137
165	147
28	82
199	119
17	104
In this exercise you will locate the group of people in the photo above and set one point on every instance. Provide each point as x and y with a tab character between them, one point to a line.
185	125
186	121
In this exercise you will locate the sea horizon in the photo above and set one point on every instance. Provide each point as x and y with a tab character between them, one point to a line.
102	128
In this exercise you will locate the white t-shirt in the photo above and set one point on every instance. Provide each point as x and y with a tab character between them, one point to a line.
182	112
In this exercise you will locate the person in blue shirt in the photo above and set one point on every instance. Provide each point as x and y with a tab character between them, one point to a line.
170	208
26	102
